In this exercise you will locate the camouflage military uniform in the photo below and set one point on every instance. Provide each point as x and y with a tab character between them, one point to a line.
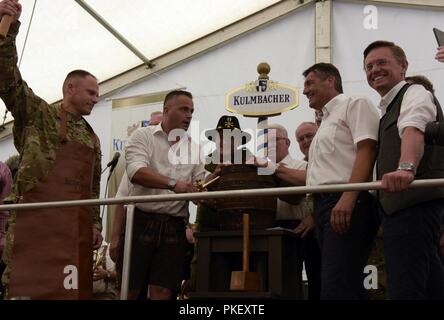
36	134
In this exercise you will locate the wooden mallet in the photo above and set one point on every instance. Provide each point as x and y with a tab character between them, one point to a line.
210	182
4	26
245	280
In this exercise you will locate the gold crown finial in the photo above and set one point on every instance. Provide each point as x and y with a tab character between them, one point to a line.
263	69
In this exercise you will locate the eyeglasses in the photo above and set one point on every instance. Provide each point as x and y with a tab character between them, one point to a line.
380	63
308	136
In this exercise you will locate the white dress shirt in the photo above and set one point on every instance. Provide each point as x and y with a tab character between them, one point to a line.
346	121
417	108
125	187
149	147
285	210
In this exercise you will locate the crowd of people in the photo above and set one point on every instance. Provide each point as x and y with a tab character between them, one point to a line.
348	142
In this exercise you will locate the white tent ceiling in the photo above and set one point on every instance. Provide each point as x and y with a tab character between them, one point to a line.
63	36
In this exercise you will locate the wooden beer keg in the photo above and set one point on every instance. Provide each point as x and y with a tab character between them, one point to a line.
262	209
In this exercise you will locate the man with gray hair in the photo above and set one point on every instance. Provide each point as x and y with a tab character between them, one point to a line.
296	212
304	134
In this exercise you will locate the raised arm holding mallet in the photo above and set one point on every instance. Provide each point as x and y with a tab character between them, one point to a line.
9	10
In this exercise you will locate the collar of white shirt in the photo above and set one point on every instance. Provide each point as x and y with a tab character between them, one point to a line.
158	128
286	160
389	96
329	106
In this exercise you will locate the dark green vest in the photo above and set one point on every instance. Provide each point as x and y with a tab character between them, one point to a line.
389	152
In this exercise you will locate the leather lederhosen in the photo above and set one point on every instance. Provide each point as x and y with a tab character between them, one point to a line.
52	245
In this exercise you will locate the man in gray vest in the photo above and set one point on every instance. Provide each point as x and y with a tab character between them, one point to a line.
412	218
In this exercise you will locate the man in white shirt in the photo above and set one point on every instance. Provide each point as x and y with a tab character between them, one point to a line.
412	218
296	212
162	160
343	151
289	171
124	190
305	133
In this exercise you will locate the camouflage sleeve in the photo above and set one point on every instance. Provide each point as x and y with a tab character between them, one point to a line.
95	194
15	93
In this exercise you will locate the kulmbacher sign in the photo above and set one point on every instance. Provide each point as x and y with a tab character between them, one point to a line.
262	98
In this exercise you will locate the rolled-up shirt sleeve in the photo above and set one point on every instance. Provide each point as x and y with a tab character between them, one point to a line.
417	109
138	151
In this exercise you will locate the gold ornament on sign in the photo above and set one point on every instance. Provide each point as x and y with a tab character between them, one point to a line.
263	69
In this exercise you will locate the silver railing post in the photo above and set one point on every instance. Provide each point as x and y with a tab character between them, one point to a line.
127	251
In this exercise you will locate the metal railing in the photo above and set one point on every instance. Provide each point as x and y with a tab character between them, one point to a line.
131	201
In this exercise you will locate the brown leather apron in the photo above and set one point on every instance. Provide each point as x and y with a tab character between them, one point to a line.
49	240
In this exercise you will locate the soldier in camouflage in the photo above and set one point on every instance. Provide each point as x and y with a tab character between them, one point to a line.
54	142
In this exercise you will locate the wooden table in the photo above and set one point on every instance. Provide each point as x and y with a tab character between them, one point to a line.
275	254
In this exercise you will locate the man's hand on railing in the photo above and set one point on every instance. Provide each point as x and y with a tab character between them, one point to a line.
397	180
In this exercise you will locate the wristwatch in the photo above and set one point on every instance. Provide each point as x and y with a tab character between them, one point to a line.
171	184
407	166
